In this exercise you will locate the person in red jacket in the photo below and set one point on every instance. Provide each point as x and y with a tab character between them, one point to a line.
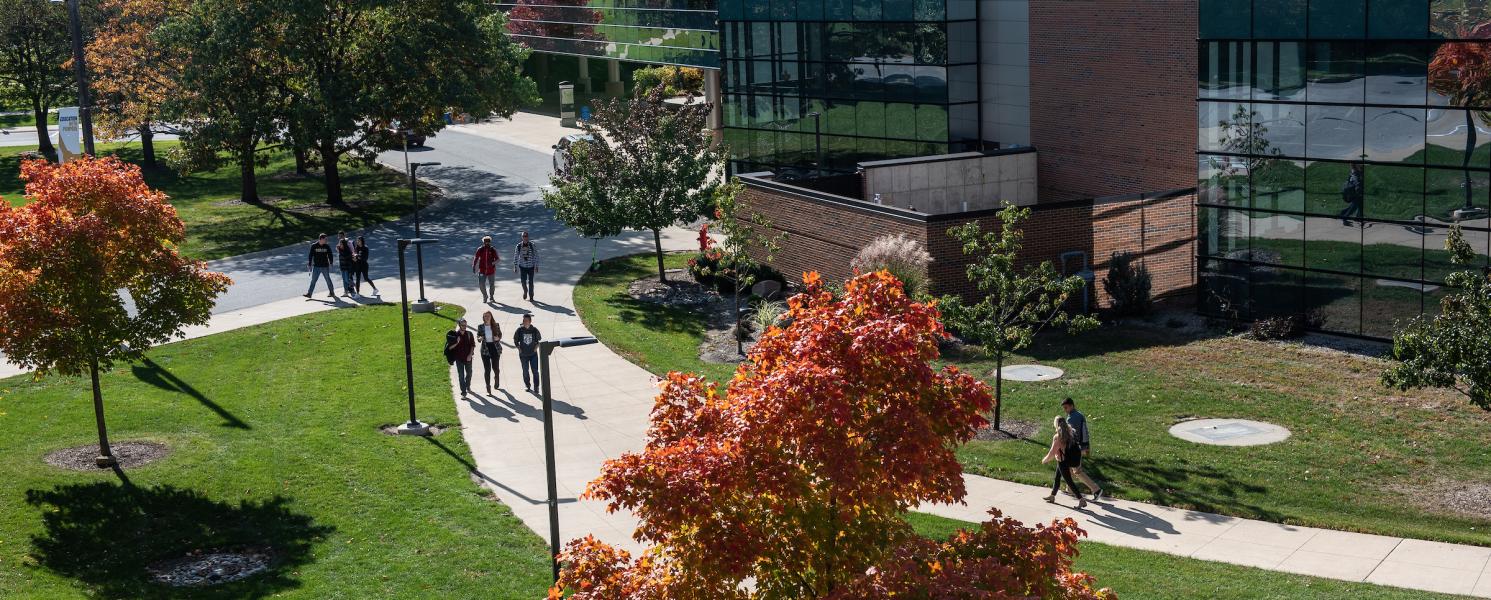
484	264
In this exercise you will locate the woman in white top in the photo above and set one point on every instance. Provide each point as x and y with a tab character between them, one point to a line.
489	339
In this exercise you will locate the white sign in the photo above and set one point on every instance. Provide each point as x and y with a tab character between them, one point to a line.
69	134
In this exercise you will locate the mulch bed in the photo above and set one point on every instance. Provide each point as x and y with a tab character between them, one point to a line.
128	455
680	290
1451	498
211	568
393	429
1010	429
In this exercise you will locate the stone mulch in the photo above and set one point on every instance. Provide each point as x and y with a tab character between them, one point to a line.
680	290
394	429
212	568
1010	429
128	455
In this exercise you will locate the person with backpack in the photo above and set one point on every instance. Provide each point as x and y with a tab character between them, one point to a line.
1354	193
459	344
1078	424
319	262
1067	454
484	264
346	261
526	340
525	262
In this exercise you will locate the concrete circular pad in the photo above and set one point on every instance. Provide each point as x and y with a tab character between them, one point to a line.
1030	373
1229	432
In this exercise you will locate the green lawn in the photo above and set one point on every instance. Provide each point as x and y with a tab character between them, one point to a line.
1361	458
1144	575
294	208
25	120
274	441
659	339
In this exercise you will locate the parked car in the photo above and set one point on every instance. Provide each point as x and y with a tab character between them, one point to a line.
561	149
415	138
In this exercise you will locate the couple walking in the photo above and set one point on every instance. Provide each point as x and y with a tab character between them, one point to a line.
461	345
484	264
1068	445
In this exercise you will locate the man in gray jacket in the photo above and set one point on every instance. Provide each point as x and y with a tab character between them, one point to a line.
1078	423
525	262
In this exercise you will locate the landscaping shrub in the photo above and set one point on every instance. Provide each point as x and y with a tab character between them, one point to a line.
1286	327
767	313
678	80
705	266
1128	284
904	257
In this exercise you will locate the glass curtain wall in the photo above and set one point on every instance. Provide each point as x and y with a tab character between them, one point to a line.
887	79
678	32
1338	142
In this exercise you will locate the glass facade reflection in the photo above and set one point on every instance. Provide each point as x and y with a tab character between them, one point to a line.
888	79
679	32
1293	96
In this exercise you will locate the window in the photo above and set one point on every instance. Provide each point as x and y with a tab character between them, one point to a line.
1342	19
1334	132
1395	135
1222	19
1226	70
1279	18
1398	19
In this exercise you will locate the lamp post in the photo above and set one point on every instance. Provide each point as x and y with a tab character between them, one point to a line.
818	142
413	426
544	350
80	70
421	305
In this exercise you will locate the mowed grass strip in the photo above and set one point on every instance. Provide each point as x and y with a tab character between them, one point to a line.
274	442
218	225
1144	575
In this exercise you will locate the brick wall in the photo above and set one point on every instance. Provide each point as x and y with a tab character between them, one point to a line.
825	232
1113	96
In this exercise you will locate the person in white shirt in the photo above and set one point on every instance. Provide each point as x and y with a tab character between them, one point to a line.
489	339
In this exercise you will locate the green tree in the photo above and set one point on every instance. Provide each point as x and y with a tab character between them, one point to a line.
1451	350
654	165
1017	303
231	84
580	198
744	233
34	46
357	67
92	229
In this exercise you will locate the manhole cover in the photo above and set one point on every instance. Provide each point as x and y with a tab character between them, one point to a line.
1229	432
1030	373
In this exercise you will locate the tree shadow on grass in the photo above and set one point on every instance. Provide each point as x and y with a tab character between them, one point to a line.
1115	337
656	317
106	534
1194	487
152	373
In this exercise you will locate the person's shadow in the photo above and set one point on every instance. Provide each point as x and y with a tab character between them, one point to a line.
479	403
554	308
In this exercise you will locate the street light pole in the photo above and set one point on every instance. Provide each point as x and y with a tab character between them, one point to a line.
421	305
818	141
544	350
80	70
413	426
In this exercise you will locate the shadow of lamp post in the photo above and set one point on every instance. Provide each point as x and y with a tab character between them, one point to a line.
421	305
817	143
544	350
413	427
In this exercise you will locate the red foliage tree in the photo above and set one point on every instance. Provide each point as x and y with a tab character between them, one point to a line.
1461	72
798	478
91	229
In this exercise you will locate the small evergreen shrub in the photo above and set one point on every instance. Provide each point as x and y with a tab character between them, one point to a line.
1128	284
678	80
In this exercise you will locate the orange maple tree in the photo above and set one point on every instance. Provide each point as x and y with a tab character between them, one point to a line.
91	232
132	73
797	477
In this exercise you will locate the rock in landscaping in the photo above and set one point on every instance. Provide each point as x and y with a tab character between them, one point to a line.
128	455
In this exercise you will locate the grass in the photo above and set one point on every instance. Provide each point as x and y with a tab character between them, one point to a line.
1361	458
1144	575
293	210
657	338
24	120
274	441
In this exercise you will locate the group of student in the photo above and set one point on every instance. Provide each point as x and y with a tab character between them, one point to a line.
351	256
462	345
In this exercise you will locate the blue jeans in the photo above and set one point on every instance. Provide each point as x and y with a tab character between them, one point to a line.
347	280
324	272
525	277
463	374
529	362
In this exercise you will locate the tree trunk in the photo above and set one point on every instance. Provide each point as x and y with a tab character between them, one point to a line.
998	386
300	161
105	454
1469	149
44	139
657	242
248	183
333	176
147	146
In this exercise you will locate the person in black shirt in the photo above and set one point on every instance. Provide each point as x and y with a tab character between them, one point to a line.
526	339
360	258
347	260
459	344
319	262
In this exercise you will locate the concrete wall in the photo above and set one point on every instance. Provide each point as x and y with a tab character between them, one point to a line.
943	184
1004	63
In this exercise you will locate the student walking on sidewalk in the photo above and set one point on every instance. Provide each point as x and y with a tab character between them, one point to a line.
484	264
489	337
347	261
526	339
319	262
1068	455
459	344
525	263
1078	424
360	256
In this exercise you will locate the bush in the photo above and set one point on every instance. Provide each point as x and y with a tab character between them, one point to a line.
768	313
724	278
705	266
1128	284
1286	327
678	80
905	258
